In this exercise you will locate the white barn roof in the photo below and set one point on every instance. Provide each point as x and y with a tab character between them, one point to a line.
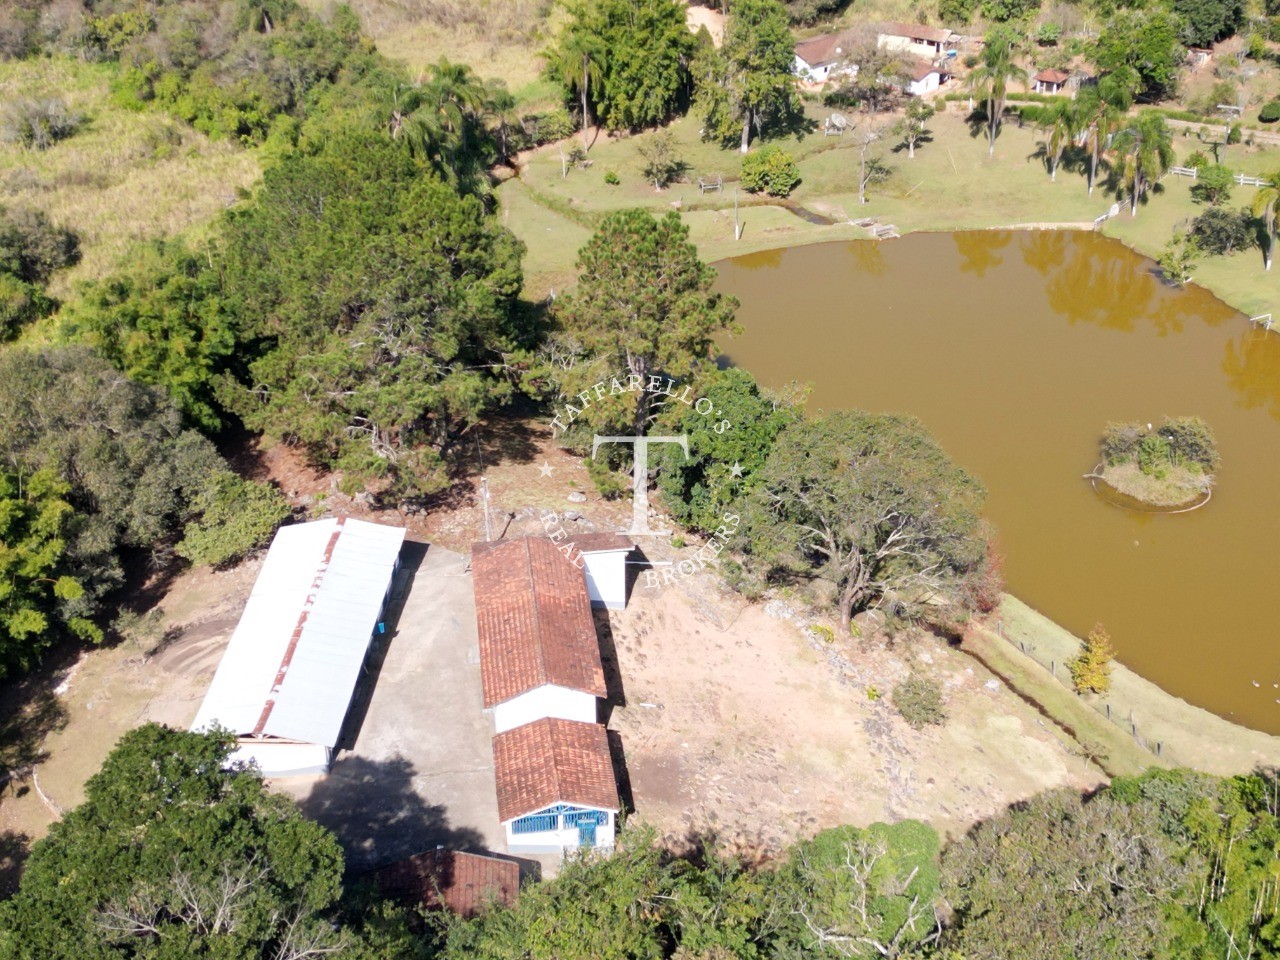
292	664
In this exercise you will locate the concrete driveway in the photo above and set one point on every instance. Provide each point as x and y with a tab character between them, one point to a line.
416	770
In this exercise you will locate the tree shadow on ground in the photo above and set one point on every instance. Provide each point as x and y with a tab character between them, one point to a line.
14	849
372	808
30	711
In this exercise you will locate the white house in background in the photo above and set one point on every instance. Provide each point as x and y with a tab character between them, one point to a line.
288	674
925	78
539	655
820	58
603	558
556	787
917	39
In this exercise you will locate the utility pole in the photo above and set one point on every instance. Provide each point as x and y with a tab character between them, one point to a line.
484	499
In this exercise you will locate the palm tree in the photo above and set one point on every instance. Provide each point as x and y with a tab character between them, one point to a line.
1266	204
446	126
1061	123
1147	147
577	62
1102	107
991	79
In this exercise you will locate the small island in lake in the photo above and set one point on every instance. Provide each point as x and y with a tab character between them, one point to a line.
1169	466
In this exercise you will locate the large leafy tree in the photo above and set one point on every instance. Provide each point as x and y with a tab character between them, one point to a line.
747	84
631	56
1205	22
727	448
1146	42
870	505
134	472
171	855
382	305
1146	144
644	306
31	249
991	78
164	322
864	893
34	516
1059	876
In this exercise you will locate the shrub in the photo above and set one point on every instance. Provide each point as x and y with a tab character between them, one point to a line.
1198	160
1235	134
1154	454
1221	232
38	123
611	178
1191	441
1270	113
771	170
237	516
1091	669
1213	185
1120	442
919	700
20	303
31	247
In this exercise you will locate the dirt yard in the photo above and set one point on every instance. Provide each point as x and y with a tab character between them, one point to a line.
738	723
736	719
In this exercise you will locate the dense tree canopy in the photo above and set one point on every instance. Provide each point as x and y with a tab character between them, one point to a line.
34	516
727	450
870	505
644	306
1147	42
381	306
1204	22
31	248
628	58
171	855
164	322
747	84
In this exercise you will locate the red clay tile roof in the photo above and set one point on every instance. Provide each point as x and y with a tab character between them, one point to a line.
1051	76
449	879
921	69
553	761
827	48
533	614
918	31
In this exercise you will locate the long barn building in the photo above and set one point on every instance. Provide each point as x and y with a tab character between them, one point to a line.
288	675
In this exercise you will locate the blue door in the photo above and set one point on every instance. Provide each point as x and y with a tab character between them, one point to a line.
587	832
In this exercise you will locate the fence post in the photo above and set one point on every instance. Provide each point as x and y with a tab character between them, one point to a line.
1053	668
1108	711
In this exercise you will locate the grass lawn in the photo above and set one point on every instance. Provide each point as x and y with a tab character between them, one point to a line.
950	185
124	177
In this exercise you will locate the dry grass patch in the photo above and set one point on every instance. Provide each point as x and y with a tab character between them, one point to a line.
125	177
499	39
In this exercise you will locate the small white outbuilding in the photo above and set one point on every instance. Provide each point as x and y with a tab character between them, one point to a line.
289	672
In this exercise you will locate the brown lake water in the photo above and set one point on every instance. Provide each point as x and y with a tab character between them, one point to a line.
1015	349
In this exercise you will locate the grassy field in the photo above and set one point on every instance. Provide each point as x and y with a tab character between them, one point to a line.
123	178
499	39
1189	736
950	185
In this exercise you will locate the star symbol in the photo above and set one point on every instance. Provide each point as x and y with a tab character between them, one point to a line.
736	470
546	469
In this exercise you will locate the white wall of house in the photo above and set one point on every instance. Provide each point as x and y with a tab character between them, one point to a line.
930	83
804	71
606	573
545	701
278	759
890	41
552	840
